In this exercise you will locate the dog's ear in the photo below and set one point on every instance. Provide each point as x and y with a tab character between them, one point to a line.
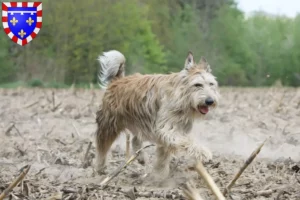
189	61
204	64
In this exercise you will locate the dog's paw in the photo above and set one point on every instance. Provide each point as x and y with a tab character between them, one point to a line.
206	154
100	168
141	161
101	171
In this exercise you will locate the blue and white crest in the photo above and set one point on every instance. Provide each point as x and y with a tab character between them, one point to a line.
22	21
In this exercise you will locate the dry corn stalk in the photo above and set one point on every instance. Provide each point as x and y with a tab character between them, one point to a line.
242	169
209	181
24	171
120	169
191	193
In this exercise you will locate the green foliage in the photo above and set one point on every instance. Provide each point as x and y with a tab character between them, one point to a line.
12	84
155	37
187	36
233	53
7	69
56	85
35	83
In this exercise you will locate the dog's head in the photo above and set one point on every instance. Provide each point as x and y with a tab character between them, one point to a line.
202	87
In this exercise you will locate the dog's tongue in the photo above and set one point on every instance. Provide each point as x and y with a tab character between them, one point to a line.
203	109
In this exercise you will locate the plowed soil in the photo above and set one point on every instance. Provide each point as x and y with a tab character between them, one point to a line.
51	130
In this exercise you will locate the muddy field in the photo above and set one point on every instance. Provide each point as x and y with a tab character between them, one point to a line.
51	130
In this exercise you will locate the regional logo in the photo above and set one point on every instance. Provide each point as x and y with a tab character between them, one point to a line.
22	21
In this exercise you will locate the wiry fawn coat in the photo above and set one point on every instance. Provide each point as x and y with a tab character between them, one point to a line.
157	108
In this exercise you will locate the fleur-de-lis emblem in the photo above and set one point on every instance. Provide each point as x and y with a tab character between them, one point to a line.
29	21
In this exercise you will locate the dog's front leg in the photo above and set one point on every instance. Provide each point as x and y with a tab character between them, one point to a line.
162	165
178	142
200	153
172	143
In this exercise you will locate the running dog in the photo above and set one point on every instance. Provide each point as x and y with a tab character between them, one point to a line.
159	108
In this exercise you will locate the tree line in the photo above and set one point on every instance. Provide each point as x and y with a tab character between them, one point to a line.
155	36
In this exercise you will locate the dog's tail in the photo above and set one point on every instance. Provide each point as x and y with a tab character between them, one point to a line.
112	66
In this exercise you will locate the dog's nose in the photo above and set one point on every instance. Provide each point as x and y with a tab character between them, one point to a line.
209	101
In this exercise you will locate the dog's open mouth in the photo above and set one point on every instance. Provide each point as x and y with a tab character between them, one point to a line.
203	109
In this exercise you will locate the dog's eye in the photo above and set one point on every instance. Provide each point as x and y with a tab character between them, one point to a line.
198	85
211	84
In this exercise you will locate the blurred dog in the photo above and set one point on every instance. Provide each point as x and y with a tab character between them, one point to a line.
159	108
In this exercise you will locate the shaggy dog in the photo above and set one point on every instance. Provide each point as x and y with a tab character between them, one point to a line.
159	108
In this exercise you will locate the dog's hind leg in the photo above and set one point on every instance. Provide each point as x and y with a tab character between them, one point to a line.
136	145
107	132
104	140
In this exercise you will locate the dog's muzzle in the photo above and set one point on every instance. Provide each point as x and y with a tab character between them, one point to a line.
204	109
209	101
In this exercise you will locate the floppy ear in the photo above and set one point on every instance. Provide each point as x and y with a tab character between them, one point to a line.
189	61
204	64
